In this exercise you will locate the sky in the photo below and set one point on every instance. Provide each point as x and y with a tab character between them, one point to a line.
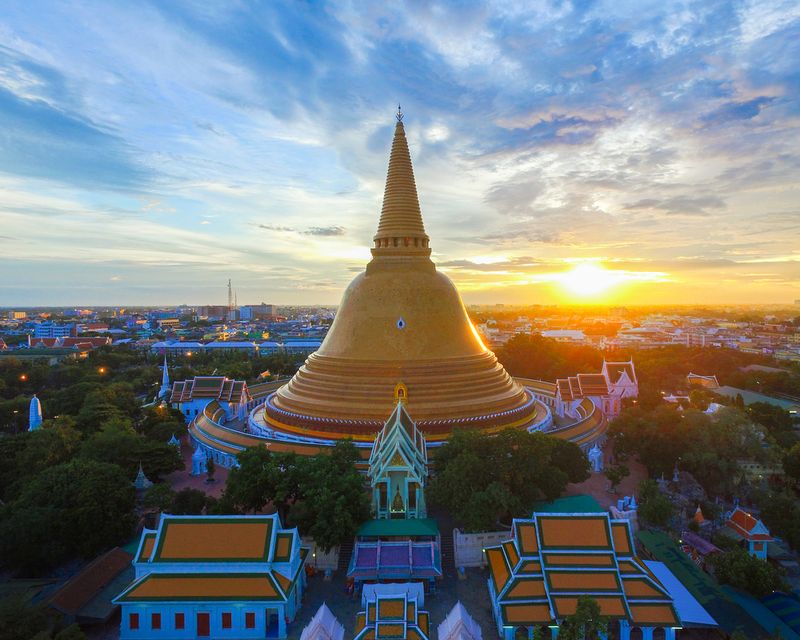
149	151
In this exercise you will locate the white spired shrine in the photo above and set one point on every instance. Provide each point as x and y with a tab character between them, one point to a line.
35	414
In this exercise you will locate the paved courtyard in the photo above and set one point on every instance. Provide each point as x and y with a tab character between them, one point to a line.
472	592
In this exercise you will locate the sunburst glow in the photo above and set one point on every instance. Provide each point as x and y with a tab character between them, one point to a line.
590	280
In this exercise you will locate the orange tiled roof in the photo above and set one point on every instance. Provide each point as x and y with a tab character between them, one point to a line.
214	387
395	616
199	586
555	558
146	546
593	384
748	526
214	539
85	585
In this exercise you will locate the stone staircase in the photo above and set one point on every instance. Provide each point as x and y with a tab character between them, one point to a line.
448	553
345	553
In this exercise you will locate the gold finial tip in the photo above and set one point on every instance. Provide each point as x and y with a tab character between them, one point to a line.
399	114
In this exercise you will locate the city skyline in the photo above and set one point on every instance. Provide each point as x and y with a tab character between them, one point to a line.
604	154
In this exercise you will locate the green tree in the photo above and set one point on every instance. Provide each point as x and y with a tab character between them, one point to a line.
323	495
616	474
333	502
481	478
20	619
211	468
119	444
159	497
191	502
585	623
777	421
72	632
75	509
654	507
741	570
781	513
791	462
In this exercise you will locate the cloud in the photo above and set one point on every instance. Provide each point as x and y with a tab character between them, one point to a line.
685	205
333	230
558	131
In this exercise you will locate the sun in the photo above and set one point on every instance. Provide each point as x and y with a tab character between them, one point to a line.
587	280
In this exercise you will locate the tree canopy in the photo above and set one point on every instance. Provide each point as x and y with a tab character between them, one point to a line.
322	495
741	570
481	478
78	508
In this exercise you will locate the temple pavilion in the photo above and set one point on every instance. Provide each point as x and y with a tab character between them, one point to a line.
400	543
214	577
552	559
398	465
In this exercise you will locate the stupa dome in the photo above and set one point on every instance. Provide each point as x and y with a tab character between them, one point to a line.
400	321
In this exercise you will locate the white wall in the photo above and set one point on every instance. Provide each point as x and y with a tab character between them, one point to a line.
468	547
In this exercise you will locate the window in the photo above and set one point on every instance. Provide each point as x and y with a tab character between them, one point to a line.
155	621
249	620
180	622
226	620
133	621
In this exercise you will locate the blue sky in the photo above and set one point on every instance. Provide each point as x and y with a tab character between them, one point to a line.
150	151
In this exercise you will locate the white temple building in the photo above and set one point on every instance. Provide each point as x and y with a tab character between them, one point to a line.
458	625
323	626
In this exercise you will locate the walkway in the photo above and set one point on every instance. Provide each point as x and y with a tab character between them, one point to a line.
178	480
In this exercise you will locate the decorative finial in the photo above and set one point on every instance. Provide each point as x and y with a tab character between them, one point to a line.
399	115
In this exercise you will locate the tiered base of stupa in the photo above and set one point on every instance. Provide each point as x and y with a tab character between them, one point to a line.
353	397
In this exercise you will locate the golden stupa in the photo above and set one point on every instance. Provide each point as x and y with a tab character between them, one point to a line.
400	321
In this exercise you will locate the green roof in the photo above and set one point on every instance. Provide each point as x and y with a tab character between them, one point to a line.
570	504
398	528
728	614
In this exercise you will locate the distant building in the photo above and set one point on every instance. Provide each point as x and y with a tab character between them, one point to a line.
214	577
257	311
223	346
695	380
565	335
169	323
17	315
53	330
607	389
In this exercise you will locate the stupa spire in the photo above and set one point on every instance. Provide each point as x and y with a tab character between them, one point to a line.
400	230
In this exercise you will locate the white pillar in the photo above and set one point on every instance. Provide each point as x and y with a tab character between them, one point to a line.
669	633
624	630
554	633
647	633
